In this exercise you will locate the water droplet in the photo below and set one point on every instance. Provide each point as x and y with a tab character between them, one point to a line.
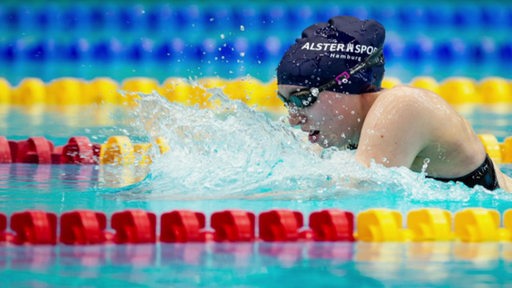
426	161
242	28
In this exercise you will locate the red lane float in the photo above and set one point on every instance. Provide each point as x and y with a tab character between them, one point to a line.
332	225
233	225
5	151
86	227
280	225
39	150
83	227
36	150
3	226
134	226
34	227
79	150
182	226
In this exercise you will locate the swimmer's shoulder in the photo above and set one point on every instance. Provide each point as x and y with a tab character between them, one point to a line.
406	90
416	102
406	94
401	101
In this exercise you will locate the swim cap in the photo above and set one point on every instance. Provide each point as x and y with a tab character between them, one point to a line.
326	50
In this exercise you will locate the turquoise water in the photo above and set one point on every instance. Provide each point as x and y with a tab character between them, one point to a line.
261	265
267	165
235	156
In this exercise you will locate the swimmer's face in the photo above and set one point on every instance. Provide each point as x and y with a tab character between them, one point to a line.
331	121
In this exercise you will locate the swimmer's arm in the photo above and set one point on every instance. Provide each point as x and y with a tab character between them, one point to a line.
393	135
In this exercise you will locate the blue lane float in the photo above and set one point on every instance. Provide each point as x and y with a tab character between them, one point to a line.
212	49
136	16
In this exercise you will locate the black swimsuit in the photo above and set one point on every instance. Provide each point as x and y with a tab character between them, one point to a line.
484	175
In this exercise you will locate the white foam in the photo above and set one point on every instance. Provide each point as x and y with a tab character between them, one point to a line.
234	151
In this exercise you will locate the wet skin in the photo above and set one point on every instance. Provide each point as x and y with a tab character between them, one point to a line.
401	126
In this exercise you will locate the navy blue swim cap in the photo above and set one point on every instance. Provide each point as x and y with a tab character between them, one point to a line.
326	50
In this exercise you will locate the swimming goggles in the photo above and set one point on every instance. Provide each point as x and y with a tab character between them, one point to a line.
305	97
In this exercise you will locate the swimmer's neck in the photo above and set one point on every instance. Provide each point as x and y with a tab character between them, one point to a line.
361	104
367	100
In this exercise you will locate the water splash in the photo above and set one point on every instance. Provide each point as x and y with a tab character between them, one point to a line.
232	151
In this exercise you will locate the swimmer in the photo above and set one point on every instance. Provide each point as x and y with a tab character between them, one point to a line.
330	81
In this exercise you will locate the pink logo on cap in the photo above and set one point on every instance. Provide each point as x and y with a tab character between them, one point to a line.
344	80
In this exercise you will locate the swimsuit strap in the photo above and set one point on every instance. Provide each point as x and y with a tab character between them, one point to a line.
484	176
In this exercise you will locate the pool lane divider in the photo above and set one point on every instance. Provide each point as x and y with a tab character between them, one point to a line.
118	150
63	91
67	91
86	227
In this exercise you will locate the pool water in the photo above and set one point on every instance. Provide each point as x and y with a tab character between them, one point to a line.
262	264
234	156
268	165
